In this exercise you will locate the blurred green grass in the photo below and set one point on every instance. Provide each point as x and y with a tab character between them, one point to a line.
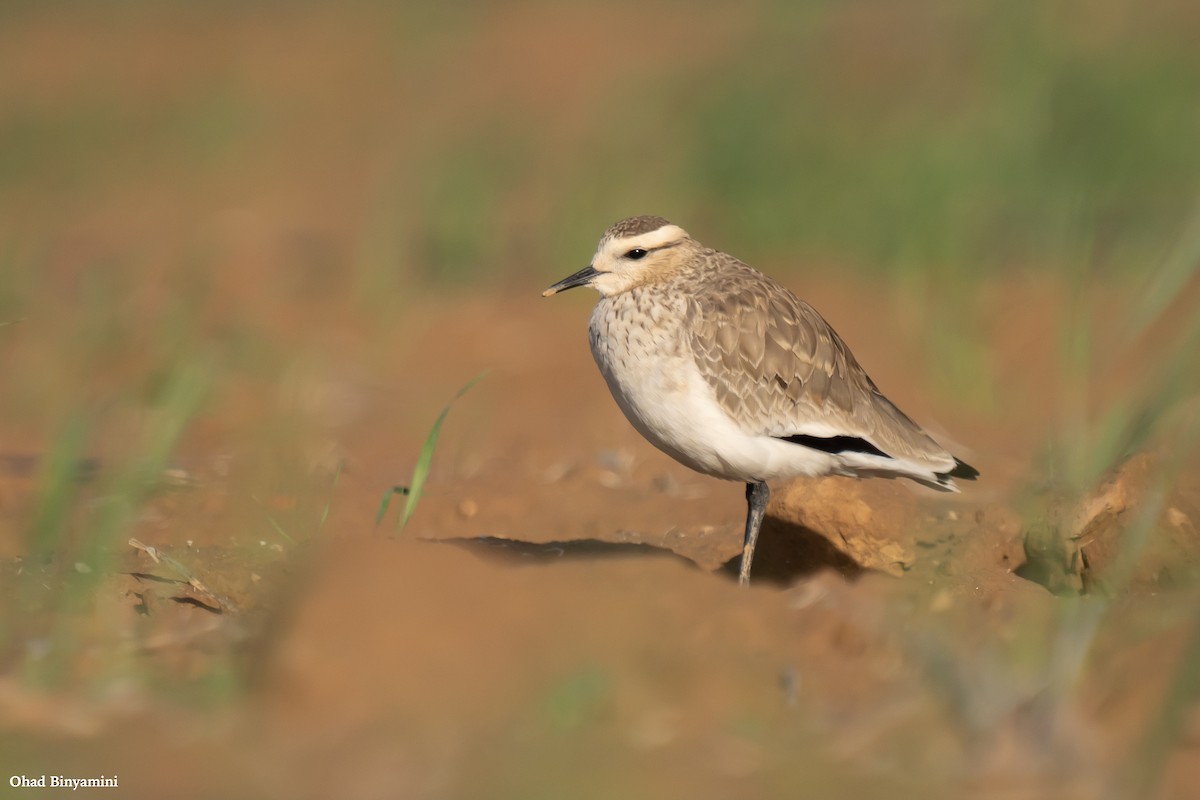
937	136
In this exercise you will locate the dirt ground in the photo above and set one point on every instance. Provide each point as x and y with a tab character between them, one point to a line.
560	618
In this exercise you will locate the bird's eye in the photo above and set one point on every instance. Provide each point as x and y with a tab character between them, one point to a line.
636	254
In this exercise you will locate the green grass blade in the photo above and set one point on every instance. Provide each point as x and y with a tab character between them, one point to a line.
337	476
59	480
421	471
387	501
184	391
274	522
1164	731
1179	269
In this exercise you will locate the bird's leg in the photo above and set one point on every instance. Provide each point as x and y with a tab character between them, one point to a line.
757	496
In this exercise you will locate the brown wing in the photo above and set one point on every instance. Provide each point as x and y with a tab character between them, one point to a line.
779	369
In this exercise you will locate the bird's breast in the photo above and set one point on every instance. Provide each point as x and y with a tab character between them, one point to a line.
642	352
639	347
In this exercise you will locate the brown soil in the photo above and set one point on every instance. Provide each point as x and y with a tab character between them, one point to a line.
560	617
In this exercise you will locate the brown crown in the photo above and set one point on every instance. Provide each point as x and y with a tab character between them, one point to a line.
634	226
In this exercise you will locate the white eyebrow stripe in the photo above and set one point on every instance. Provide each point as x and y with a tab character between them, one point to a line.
666	235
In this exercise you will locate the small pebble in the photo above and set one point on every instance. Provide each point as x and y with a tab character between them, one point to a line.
942	601
655	728
608	479
557	471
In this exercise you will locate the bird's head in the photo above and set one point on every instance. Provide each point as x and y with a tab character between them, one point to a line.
632	252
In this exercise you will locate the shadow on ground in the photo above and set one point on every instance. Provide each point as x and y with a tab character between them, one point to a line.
788	552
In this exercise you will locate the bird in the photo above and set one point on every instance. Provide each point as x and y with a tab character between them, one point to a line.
731	374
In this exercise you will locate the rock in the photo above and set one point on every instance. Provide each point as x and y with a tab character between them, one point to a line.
1105	541
866	521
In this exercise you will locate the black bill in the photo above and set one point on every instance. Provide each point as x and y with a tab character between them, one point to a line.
581	278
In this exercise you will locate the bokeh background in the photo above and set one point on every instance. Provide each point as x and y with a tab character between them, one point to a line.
249	251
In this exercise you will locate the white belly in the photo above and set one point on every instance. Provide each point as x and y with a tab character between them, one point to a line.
655	381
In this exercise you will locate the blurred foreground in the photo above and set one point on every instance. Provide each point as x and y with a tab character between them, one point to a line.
576	648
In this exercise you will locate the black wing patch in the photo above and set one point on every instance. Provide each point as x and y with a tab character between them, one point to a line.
838	444
961	470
